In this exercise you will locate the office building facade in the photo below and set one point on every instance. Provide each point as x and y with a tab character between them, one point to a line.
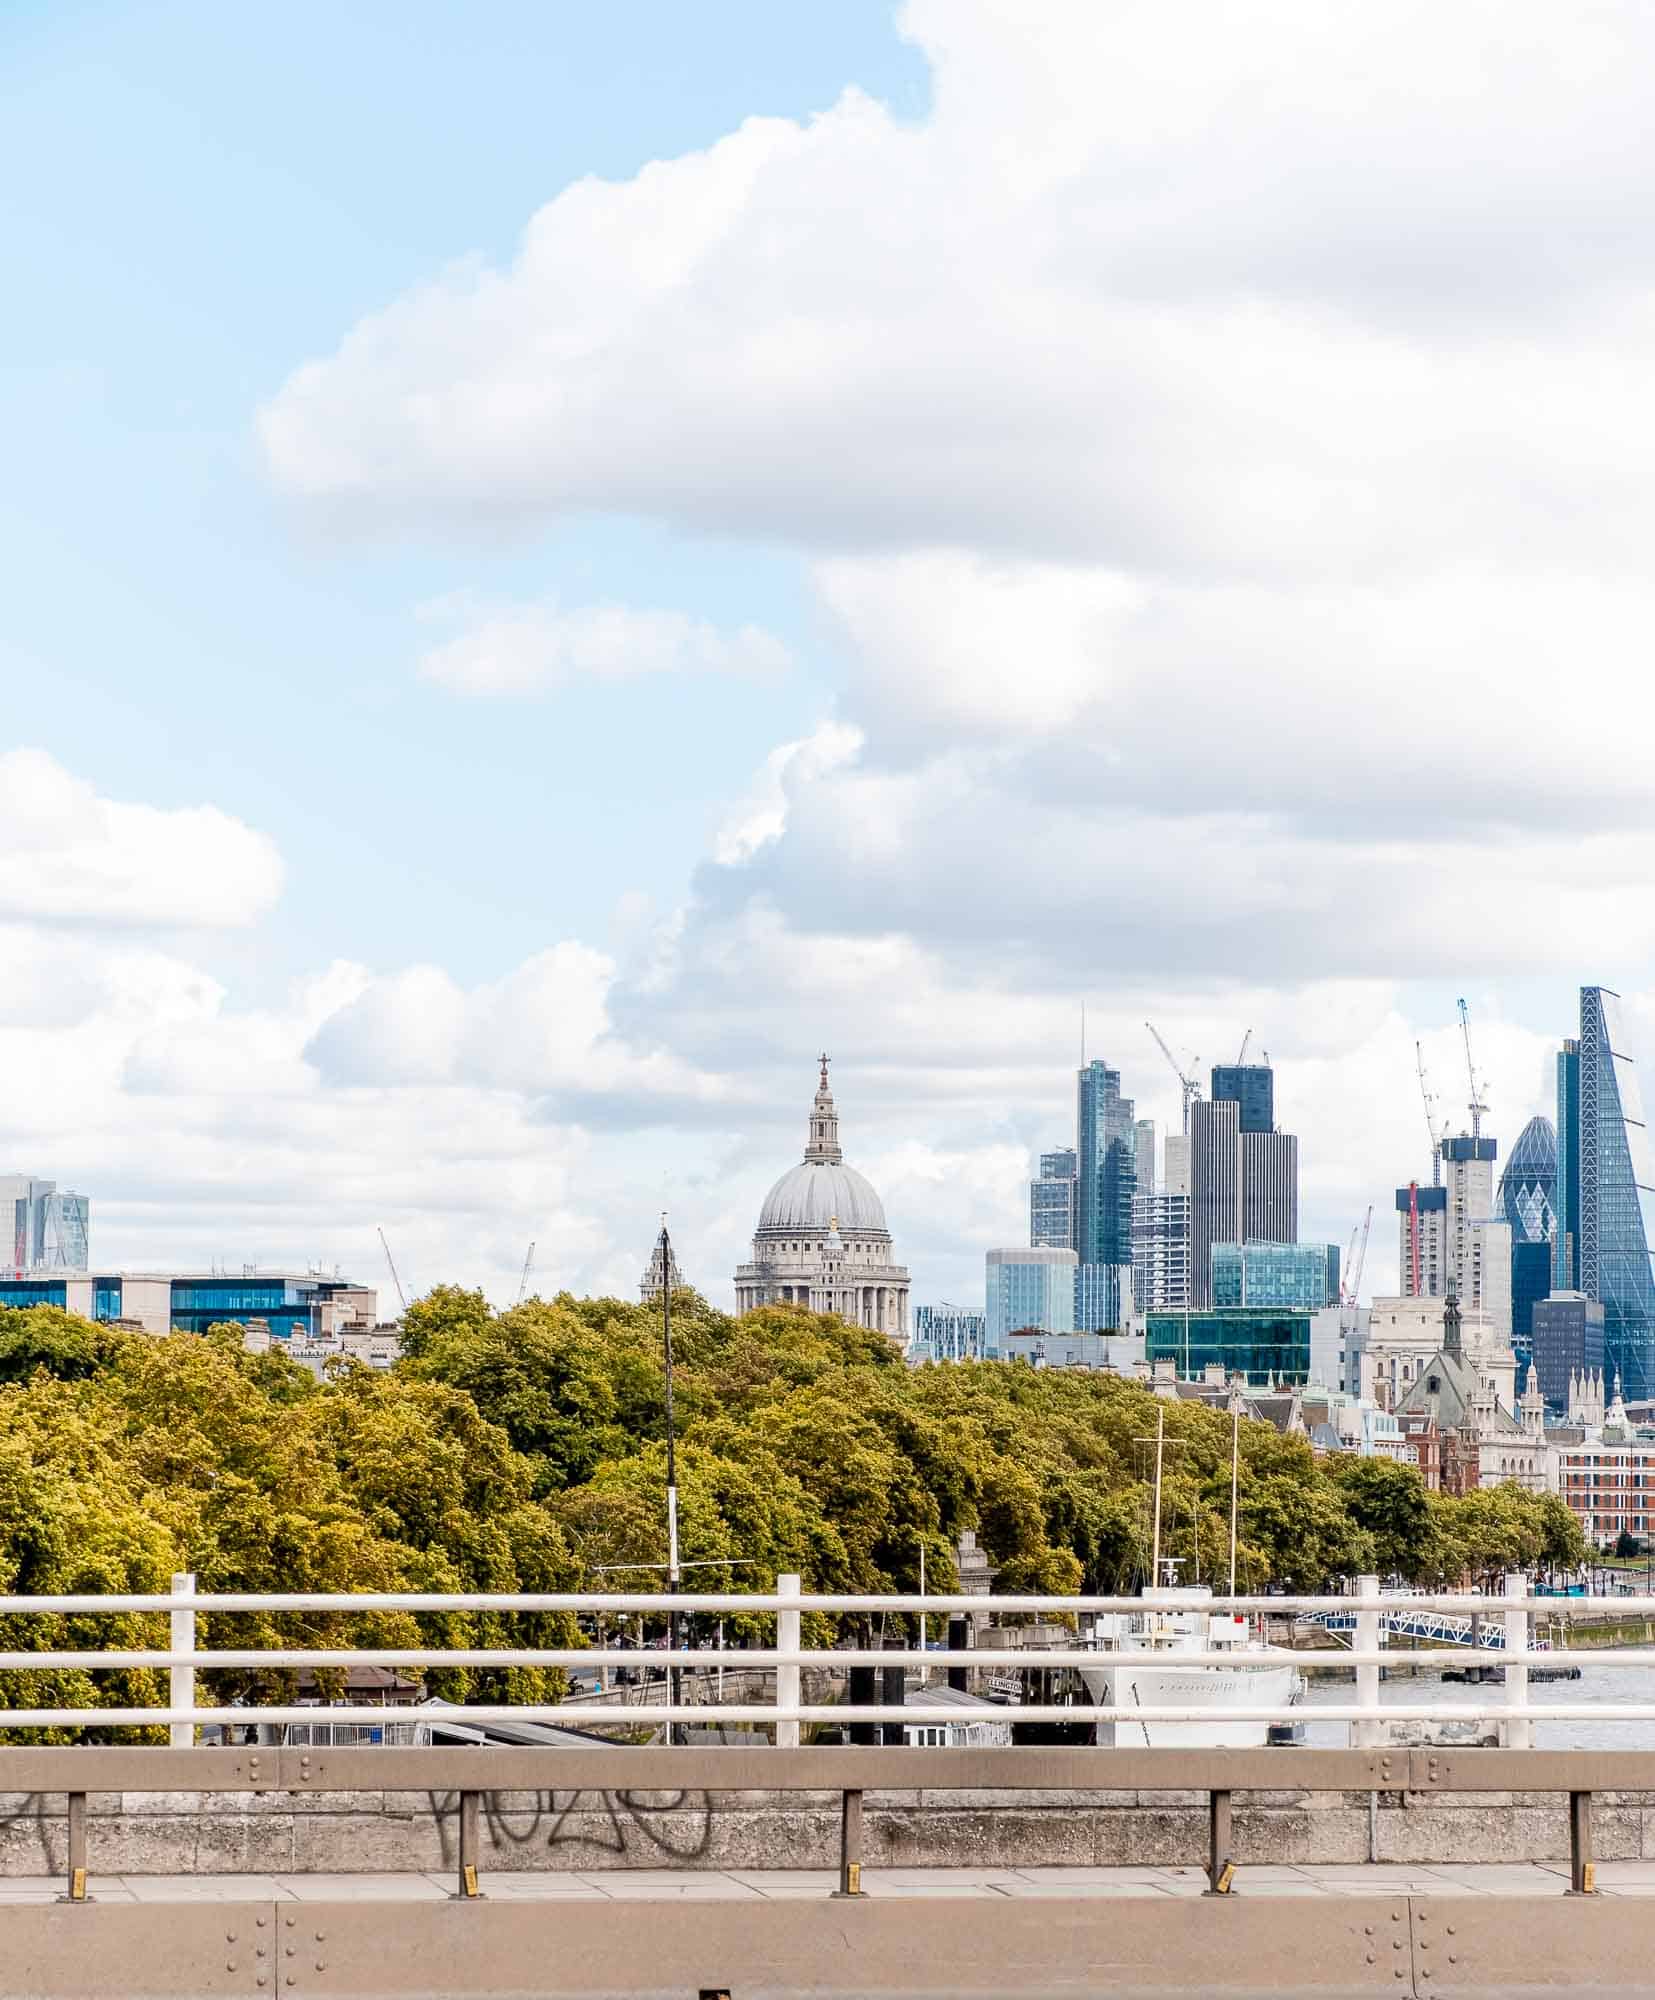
288	1305
1567	1336
1269	1187
948	1333
41	1227
1262	1343
1052	1202
1256	1273
1027	1288
1160	1252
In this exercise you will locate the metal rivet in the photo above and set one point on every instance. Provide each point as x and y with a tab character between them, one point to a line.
291	1949
1453	1959
229	1965
1397	1974
1367	1930
1396	1917
321	1965
1396	1944
291	1921
261	1923
260	1952
260	1979
229	1937
1370	1958
321	1936
1450	1930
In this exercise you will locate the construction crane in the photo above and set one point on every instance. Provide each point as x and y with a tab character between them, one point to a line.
1476	1107
1430	1115
1361	1257
1246	1043
1349	1265
1350	1282
1191	1088
528	1266
395	1280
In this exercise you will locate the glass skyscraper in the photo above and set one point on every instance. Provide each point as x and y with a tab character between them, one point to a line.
1614	1167
1106	1146
1528	1201
1106	1179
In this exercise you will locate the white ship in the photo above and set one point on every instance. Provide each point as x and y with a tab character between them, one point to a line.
1138	1654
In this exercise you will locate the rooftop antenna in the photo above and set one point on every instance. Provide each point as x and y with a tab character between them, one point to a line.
1083	1034
528	1267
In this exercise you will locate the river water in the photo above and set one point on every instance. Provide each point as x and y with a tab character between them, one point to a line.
1597	1687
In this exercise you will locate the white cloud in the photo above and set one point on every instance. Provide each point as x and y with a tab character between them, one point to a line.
1266	292
73	857
530	648
760	819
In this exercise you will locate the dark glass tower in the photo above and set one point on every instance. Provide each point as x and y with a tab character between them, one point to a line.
1252	1086
1566	1243
1614	1166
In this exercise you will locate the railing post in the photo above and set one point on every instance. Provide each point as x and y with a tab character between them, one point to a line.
468	1891
1581	1873
850	1845
1366	1733
181	1680
76	1890
1518	1728
787	1678
1220	1868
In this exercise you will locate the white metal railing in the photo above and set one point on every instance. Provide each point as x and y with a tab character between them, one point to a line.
1512	1706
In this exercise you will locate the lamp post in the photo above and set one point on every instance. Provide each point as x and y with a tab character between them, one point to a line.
674	1673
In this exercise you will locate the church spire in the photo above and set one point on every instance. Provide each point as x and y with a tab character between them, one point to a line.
824	1124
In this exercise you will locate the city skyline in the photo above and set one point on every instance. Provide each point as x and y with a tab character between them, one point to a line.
518	643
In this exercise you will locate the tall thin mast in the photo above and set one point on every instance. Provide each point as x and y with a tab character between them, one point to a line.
1155	1552
675	1685
1235	1489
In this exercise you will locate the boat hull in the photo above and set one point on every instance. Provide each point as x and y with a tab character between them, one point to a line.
1129	1682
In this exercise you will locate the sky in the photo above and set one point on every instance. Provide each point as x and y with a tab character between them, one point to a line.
562	560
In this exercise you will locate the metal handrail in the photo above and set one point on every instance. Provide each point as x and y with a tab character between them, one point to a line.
1367	1609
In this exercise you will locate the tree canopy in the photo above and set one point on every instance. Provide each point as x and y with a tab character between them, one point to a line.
524	1450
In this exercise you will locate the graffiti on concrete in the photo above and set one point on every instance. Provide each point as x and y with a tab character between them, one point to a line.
677	1825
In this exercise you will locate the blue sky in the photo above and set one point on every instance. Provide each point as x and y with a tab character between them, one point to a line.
210	197
564	558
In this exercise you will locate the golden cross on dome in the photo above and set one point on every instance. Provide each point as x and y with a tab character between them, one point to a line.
824	1059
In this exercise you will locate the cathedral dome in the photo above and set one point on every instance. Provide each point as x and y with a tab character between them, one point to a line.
810	1195
822	1240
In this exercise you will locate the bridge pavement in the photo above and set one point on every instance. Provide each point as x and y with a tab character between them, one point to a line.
635	1885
